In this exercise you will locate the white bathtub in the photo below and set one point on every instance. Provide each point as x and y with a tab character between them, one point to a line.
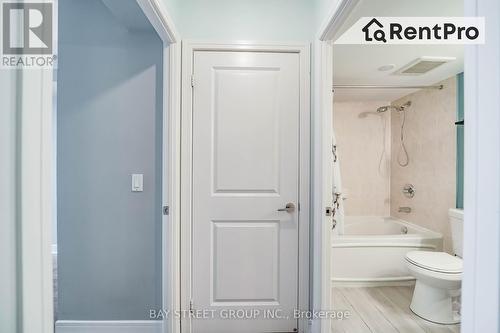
372	250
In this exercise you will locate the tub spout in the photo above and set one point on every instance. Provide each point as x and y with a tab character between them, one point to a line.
404	210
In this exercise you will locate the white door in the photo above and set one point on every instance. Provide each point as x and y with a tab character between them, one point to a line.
245	168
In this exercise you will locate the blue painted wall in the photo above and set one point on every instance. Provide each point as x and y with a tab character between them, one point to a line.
109	123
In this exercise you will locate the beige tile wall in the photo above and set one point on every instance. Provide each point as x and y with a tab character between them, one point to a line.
431	143
360	143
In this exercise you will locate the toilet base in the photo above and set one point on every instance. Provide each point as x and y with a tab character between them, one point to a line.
435	304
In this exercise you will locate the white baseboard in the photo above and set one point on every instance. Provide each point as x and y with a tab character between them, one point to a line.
113	326
404	281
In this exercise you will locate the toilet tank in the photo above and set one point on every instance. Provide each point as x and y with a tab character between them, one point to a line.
456	217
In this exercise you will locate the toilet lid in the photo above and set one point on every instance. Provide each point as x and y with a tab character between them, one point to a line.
435	261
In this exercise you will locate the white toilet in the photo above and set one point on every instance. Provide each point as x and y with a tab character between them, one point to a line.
439	275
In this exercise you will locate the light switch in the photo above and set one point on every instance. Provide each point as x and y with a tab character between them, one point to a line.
137	182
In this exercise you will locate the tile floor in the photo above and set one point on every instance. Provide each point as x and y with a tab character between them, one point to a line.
381	310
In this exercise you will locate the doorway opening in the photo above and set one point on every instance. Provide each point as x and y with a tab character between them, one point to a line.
245	185
110	164
397	171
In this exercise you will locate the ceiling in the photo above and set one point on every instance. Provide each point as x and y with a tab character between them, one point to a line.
358	64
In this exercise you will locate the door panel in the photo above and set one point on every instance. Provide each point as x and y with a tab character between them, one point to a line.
245	168
244	165
256	243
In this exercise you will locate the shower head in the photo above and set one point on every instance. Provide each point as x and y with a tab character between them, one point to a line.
394	107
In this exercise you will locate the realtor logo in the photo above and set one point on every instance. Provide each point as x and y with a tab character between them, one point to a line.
27	34
33	21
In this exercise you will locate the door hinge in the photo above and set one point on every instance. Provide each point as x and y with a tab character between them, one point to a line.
166	210
191	309
192	80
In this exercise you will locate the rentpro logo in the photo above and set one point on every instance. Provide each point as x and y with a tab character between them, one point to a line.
374	31
415	30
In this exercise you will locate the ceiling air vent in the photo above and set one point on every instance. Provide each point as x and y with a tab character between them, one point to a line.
423	65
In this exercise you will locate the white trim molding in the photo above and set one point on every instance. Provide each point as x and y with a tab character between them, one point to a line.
398	281
188	49
106	326
157	14
322	182
8	225
481	281
36	201
336	19
171	185
375	245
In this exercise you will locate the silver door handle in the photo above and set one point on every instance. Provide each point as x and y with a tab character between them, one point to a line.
289	208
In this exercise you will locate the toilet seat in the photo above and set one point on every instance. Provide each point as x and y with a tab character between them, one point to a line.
440	262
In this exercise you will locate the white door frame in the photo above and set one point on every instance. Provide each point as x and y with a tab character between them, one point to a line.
164	26
188	49
481	281
323	160
35	183
322	183
36	175
157	14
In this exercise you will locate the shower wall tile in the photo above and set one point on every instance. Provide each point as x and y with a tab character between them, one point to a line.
364	149
430	138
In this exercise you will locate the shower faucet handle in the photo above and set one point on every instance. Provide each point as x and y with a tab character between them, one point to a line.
409	190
